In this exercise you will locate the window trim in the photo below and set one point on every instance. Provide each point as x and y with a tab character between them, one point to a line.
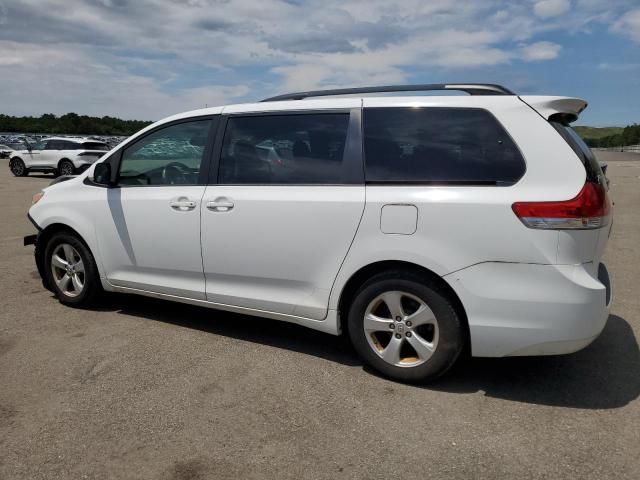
115	159
444	183
353	157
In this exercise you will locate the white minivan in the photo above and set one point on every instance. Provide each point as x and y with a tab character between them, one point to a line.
422	226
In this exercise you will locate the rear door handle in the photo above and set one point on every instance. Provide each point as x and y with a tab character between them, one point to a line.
220	204
182	204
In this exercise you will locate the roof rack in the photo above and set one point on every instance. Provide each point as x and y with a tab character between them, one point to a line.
470	88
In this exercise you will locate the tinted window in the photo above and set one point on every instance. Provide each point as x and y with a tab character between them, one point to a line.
67	145
584	153
50	145
285	149
439	145
95	146
169	156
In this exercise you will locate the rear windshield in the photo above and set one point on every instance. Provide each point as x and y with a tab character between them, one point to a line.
582	150
439	146
95	146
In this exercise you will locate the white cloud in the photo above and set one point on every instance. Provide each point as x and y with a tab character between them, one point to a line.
618	67
540	51
146	58
57	82
628	25
551	8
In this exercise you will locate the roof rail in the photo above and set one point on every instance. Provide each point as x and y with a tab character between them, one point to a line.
470	88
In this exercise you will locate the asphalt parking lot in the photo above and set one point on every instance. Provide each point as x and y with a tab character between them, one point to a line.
142	388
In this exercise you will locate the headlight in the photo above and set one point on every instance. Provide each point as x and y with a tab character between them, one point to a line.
37	197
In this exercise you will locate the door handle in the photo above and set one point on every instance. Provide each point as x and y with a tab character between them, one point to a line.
182	204
220	204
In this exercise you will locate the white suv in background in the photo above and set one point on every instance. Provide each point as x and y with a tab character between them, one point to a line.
421	225
60	155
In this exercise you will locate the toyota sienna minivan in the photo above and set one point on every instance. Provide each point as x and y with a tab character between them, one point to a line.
421	226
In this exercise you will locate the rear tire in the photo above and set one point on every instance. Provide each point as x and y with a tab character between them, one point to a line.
66	167
405	327
71	270
18	168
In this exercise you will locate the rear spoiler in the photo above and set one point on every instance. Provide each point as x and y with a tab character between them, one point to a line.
566	107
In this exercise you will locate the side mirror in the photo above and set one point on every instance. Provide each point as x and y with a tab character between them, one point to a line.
102	174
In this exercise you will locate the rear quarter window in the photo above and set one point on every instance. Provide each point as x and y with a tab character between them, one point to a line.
581	149
436	145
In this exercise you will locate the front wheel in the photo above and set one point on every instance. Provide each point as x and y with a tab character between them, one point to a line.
18	168
71	270
405	327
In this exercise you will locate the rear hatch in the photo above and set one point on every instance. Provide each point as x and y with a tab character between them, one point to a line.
584	222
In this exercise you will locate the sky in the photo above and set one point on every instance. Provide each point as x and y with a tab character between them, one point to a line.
147	59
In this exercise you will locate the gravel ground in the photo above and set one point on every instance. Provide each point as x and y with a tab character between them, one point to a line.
142	388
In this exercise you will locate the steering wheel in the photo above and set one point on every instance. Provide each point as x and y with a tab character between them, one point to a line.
175	173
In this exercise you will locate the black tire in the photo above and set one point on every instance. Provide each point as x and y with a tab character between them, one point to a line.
92	287
450	332
66	167
18	168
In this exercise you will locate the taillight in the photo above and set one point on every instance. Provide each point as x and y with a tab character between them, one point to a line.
589	209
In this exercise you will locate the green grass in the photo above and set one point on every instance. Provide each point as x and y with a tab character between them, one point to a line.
597	132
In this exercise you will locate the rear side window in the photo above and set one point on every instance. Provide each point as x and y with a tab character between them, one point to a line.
95	146
582	150
285	149
67	145
434	145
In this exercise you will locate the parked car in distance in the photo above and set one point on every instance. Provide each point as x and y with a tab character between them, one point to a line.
5	150
421	226
58	155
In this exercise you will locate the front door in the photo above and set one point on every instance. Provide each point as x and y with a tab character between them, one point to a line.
149	227
279	223
41	155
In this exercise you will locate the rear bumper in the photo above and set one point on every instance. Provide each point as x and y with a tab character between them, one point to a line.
526	309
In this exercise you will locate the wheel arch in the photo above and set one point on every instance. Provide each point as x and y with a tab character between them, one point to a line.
356	280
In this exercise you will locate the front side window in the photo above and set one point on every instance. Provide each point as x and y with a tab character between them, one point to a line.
436	145
169	156
285	149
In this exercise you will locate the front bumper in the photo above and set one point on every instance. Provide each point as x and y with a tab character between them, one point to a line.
526	309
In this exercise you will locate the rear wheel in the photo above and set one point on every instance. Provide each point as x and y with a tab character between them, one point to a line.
71	270
66	167
405	327
18	168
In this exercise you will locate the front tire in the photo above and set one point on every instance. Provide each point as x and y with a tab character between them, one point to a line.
71	270
18	168
66	167
405	327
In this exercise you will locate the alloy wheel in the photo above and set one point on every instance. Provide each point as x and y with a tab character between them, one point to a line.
66	168
401	329
17	168
68	270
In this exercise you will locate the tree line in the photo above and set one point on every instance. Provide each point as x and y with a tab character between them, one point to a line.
630	135
71	123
